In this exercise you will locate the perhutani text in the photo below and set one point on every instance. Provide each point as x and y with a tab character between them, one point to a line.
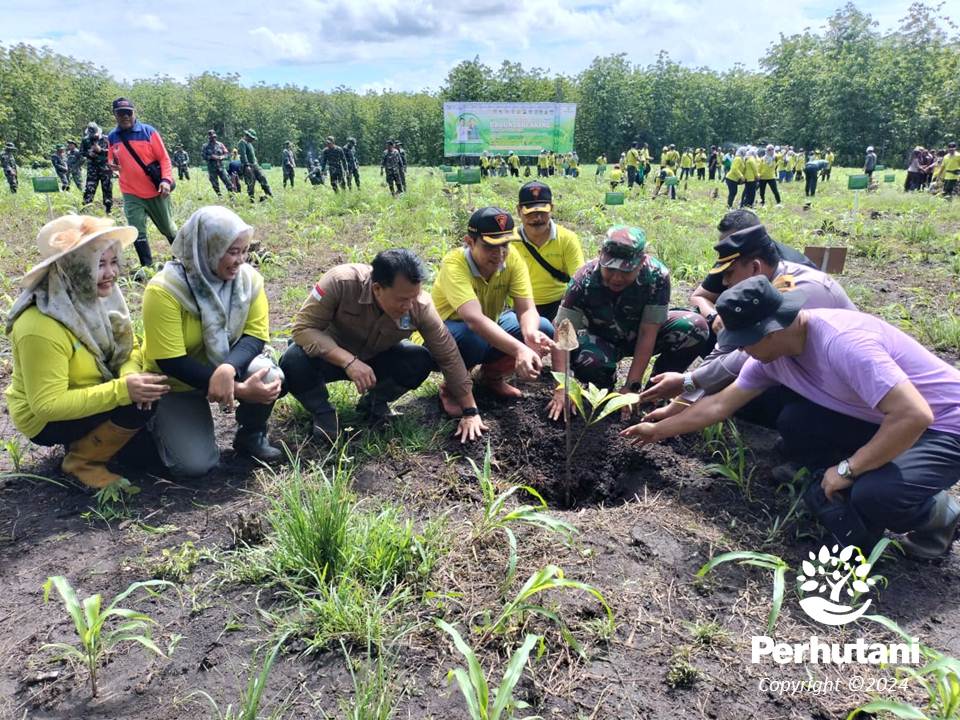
817	652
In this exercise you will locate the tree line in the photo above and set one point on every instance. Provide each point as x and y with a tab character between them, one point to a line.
846	86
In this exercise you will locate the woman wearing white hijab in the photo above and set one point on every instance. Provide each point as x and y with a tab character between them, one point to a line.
77	377
206	322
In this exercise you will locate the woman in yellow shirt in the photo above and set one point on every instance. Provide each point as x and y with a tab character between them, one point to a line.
77	378
750	178
205	323
767	174
734	176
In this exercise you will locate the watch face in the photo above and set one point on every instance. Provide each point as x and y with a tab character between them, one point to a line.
843	469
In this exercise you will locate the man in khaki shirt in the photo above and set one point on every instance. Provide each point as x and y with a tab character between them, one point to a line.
355	326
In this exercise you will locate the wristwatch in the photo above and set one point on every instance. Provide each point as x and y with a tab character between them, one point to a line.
688	384
470	412
844	470
636	386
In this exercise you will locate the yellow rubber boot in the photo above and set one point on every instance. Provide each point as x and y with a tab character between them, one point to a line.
88	456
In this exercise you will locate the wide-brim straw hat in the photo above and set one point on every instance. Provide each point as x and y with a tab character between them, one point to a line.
69	233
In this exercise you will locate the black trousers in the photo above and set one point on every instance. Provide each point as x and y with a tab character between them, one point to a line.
773	187
732	189
64	432
405	363
749	193
810	190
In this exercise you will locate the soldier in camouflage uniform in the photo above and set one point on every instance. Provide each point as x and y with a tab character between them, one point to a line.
75	161
215	152
619	306
94	148
403	167
334	160
391	165
182	161
288	162
9	164
251	169
59	161
353	165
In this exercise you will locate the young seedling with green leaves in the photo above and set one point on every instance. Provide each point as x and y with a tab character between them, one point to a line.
496	516
473	682
99	630
760	560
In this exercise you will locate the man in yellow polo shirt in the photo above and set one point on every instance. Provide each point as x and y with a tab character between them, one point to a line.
471	291
949	170
552	253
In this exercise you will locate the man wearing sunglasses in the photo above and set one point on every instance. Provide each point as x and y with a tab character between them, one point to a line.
471	293
146	176
619	306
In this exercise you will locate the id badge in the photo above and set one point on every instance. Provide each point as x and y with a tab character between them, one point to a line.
404	322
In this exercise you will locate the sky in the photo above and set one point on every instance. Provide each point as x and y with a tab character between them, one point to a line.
407	45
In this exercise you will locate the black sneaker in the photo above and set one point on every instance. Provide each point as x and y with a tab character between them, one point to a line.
256	445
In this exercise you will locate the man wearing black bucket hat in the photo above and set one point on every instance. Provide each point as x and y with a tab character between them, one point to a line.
890	446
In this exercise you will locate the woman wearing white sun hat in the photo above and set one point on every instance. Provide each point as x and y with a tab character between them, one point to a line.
77	377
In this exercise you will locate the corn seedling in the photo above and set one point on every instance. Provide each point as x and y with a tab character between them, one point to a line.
473	682
939	678
176	564
100	630
249	705
549	577
734	459
496	516
760	560
14	451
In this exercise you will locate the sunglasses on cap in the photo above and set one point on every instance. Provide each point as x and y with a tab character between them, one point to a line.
619	251
125	112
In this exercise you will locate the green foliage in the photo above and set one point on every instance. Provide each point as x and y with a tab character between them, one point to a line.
734	458
249	706
760	560
473	682
101	629
497	516
176	564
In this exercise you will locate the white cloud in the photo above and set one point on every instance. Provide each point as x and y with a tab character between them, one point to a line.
283	45
146	22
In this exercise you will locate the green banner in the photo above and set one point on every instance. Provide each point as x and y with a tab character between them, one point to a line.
471	128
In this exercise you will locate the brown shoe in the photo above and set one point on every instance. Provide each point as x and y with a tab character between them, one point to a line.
493	376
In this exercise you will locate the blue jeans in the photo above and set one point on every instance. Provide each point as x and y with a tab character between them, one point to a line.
475	350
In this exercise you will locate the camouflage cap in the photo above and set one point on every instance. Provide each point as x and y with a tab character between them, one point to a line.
60	147
623	248
10	146
71	142
249	132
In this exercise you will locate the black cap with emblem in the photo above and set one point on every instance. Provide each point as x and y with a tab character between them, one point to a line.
753	309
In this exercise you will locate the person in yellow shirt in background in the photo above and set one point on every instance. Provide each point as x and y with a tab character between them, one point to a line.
551	163
616	177
471	292
205	324
574	165
513	161
949	171
633	163
667	171
601	167
700	160
553	254
77	376
543	164
799	163
484	164
735	176
750	178
686	164
673	154
645	160
767	175
663	156
828	156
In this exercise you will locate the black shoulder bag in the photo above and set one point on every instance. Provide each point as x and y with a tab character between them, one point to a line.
558	275
152	170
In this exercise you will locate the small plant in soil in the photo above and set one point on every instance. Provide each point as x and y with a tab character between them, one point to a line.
176	564
681	675
549	577
761	560
473	682
496	516
734	459
100	630
249	706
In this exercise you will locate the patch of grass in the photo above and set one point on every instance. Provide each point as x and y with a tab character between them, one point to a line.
681	675
175	564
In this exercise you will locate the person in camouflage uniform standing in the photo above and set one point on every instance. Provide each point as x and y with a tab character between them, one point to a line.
75	161
334	160
9	164
403	167
619	306
251	169
94	148
182	162
288	163
391	165
353	165
59	161
215	152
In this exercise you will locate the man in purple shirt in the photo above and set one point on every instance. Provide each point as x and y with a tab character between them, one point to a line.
896	426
